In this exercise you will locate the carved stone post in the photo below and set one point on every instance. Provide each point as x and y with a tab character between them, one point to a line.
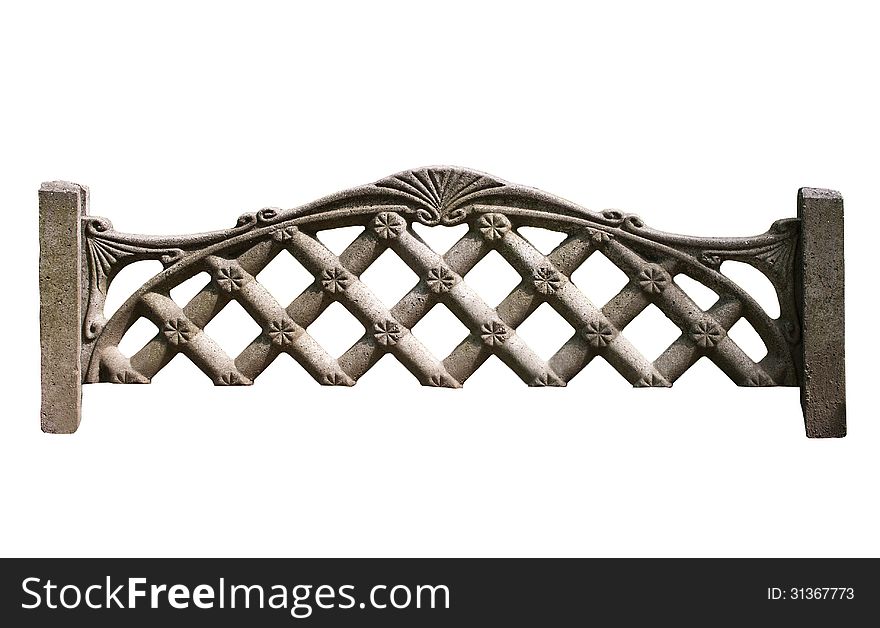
820	291
61	206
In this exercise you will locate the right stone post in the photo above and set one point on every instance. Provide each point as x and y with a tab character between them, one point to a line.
820	288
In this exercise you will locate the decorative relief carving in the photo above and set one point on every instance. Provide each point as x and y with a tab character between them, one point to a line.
283	331
106	258
759	379
598	334
652	380
439	194
440	279
441	380
387	332
494	226
335	279
232	378
542	380
598	237
229	278
653	279
336	378
547	280
494	333
284	234
772	252
388	225
178	331
712	260
444	196
108	251
706	334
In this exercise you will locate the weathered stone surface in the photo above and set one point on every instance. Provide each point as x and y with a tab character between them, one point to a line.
494	211
61	205
821	294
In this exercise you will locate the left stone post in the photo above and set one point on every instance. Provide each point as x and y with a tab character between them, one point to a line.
62	205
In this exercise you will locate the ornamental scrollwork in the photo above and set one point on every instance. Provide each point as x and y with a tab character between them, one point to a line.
494	212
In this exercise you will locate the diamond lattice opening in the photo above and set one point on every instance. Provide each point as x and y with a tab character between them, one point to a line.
703	375
285	373
389	373
755	283
440	331
389	278
180	373
544	240
233	329
440	238
128	281
599	375
701	295
337	240
336	329
285	278
493	278
492	374
183	292
139	334
744	335
545	331
599	279
651	332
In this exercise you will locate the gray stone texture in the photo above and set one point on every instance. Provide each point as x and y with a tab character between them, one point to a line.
61	206
80	344
821	294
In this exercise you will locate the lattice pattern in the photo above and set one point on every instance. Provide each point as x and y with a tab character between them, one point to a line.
802	258
234	260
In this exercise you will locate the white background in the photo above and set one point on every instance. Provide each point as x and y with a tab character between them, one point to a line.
181	116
